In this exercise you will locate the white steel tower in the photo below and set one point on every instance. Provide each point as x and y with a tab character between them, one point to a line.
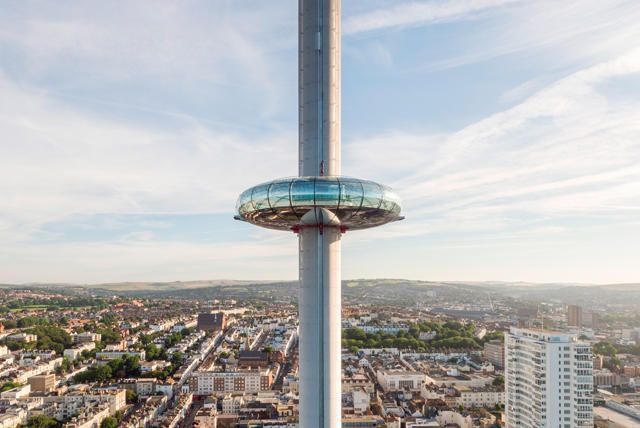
319	206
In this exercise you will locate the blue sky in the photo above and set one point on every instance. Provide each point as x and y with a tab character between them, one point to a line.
511	129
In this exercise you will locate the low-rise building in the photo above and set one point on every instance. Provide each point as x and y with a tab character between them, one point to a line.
114	355
86	336
74	353
494	353
211	382
42	383
400	380
22	337
487	396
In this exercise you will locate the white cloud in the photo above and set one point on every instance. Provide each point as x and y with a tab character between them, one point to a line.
549	33
59	162
567	150
418	13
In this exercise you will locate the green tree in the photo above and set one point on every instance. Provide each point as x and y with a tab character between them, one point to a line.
355	333
605	348
42	421
95	374
51	337
110	335
125	367
132	397
152	352
177	358
9	385
498	381
31	321
65	366
109	422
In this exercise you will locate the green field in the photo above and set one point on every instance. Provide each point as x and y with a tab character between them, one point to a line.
30	308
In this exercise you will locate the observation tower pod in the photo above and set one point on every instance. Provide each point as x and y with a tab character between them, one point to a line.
319	205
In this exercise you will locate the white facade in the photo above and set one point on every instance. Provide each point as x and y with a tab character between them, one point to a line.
74	353
549	380
86	336
22	337
114	355
388	328
448	417
361	402
232	404
480	397
400	380
205	383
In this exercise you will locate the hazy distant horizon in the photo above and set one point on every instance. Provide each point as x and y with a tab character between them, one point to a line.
215	282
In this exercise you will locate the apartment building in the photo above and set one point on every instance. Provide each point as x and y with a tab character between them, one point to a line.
549	380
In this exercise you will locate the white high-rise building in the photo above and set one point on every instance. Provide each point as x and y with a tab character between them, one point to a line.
549	380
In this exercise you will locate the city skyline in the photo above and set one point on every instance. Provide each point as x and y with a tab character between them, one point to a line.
510	134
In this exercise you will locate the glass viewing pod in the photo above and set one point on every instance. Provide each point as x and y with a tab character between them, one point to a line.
281	204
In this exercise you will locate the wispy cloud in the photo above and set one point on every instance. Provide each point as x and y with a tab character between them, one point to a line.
418	13
566	150
557	33
61	162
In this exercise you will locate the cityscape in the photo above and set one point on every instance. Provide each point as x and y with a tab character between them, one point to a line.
491	282
415	354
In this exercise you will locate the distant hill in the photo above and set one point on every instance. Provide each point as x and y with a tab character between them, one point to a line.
139	286
379	290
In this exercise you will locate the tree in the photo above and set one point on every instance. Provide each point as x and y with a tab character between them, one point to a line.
494	335
9	385
605	348
9	324
51	337
65	366
94	374
152	352
126	366
132	396
42	421
110	335
498	381
355	333
614	364
177	358
109	422
31	321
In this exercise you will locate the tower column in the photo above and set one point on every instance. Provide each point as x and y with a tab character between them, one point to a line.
320	328
319	207
319	155
319	87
